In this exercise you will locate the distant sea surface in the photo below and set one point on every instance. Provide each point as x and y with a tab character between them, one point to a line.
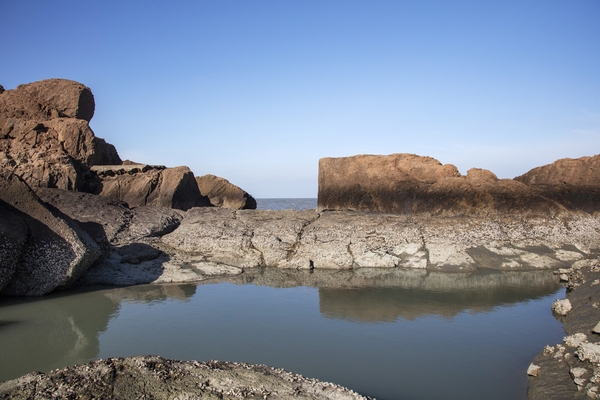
286	204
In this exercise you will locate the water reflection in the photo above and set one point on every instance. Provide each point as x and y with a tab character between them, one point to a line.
64	328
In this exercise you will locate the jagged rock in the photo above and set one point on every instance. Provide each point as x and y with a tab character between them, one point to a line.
158	378
139	185
110	222
57	250
222	193
48	99
411	184
561	307
45	137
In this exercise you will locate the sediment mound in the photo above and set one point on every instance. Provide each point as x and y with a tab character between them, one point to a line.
157	378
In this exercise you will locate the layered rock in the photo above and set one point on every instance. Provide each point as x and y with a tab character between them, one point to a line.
410	184
45	137
141	184
222	193
158	378
44	248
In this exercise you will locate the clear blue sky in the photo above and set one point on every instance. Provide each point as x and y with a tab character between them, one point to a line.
258	91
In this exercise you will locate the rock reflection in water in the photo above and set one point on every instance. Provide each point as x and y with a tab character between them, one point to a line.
40	334
378	295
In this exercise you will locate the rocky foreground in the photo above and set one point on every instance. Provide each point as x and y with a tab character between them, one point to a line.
157	378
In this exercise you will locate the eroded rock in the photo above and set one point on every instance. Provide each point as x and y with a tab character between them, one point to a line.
222	193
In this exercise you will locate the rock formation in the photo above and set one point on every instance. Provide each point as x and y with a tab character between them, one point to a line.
42	249
45	137
140	184
158	378
222	193
410	184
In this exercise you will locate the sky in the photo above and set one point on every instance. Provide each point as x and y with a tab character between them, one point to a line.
258	91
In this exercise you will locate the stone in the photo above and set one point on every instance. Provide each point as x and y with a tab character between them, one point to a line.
596	329
57	251
589	352
411	184
48	99
575	340
222	193
158	378
561	307
45	136
13	236
533	370
150	185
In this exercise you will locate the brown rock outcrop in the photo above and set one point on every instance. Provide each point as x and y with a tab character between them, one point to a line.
411	184
141	184
223	193
55	252
45	137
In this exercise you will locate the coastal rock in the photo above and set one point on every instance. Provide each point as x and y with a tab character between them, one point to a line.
57	251
344	240
48	99
139	185
411	184
159	378
222	193
561	307
45	137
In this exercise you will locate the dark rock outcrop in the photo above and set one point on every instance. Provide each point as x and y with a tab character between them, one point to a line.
223	193
140	184
56	251
45	137
410	184
158	378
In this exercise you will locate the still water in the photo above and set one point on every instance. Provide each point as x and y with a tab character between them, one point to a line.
391	334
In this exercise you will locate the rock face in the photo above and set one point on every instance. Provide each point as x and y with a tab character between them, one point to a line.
45	137
157	378
572	369
410	184
44	248
140	184
222	193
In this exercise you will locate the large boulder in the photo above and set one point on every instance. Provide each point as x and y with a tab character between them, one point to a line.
411	184
48	99
140	184
45	137
223	193
56	250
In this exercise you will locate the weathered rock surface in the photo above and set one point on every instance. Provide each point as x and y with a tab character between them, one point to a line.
222	193
45	137
56	251
410	184
158	378
48	99
141	184
584	171
344	240
572	369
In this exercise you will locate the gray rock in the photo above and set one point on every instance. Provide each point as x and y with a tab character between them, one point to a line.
13	236
158	378
57	250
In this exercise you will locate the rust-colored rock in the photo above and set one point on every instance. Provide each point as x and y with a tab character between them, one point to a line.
223	193
45	137
411	184
141	184
48	99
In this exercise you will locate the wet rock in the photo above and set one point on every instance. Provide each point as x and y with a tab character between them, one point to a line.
222	193
57	251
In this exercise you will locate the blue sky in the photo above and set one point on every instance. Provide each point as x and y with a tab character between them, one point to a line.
258	91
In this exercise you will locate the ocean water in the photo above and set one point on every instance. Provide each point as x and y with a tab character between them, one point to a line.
287	204
386	333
